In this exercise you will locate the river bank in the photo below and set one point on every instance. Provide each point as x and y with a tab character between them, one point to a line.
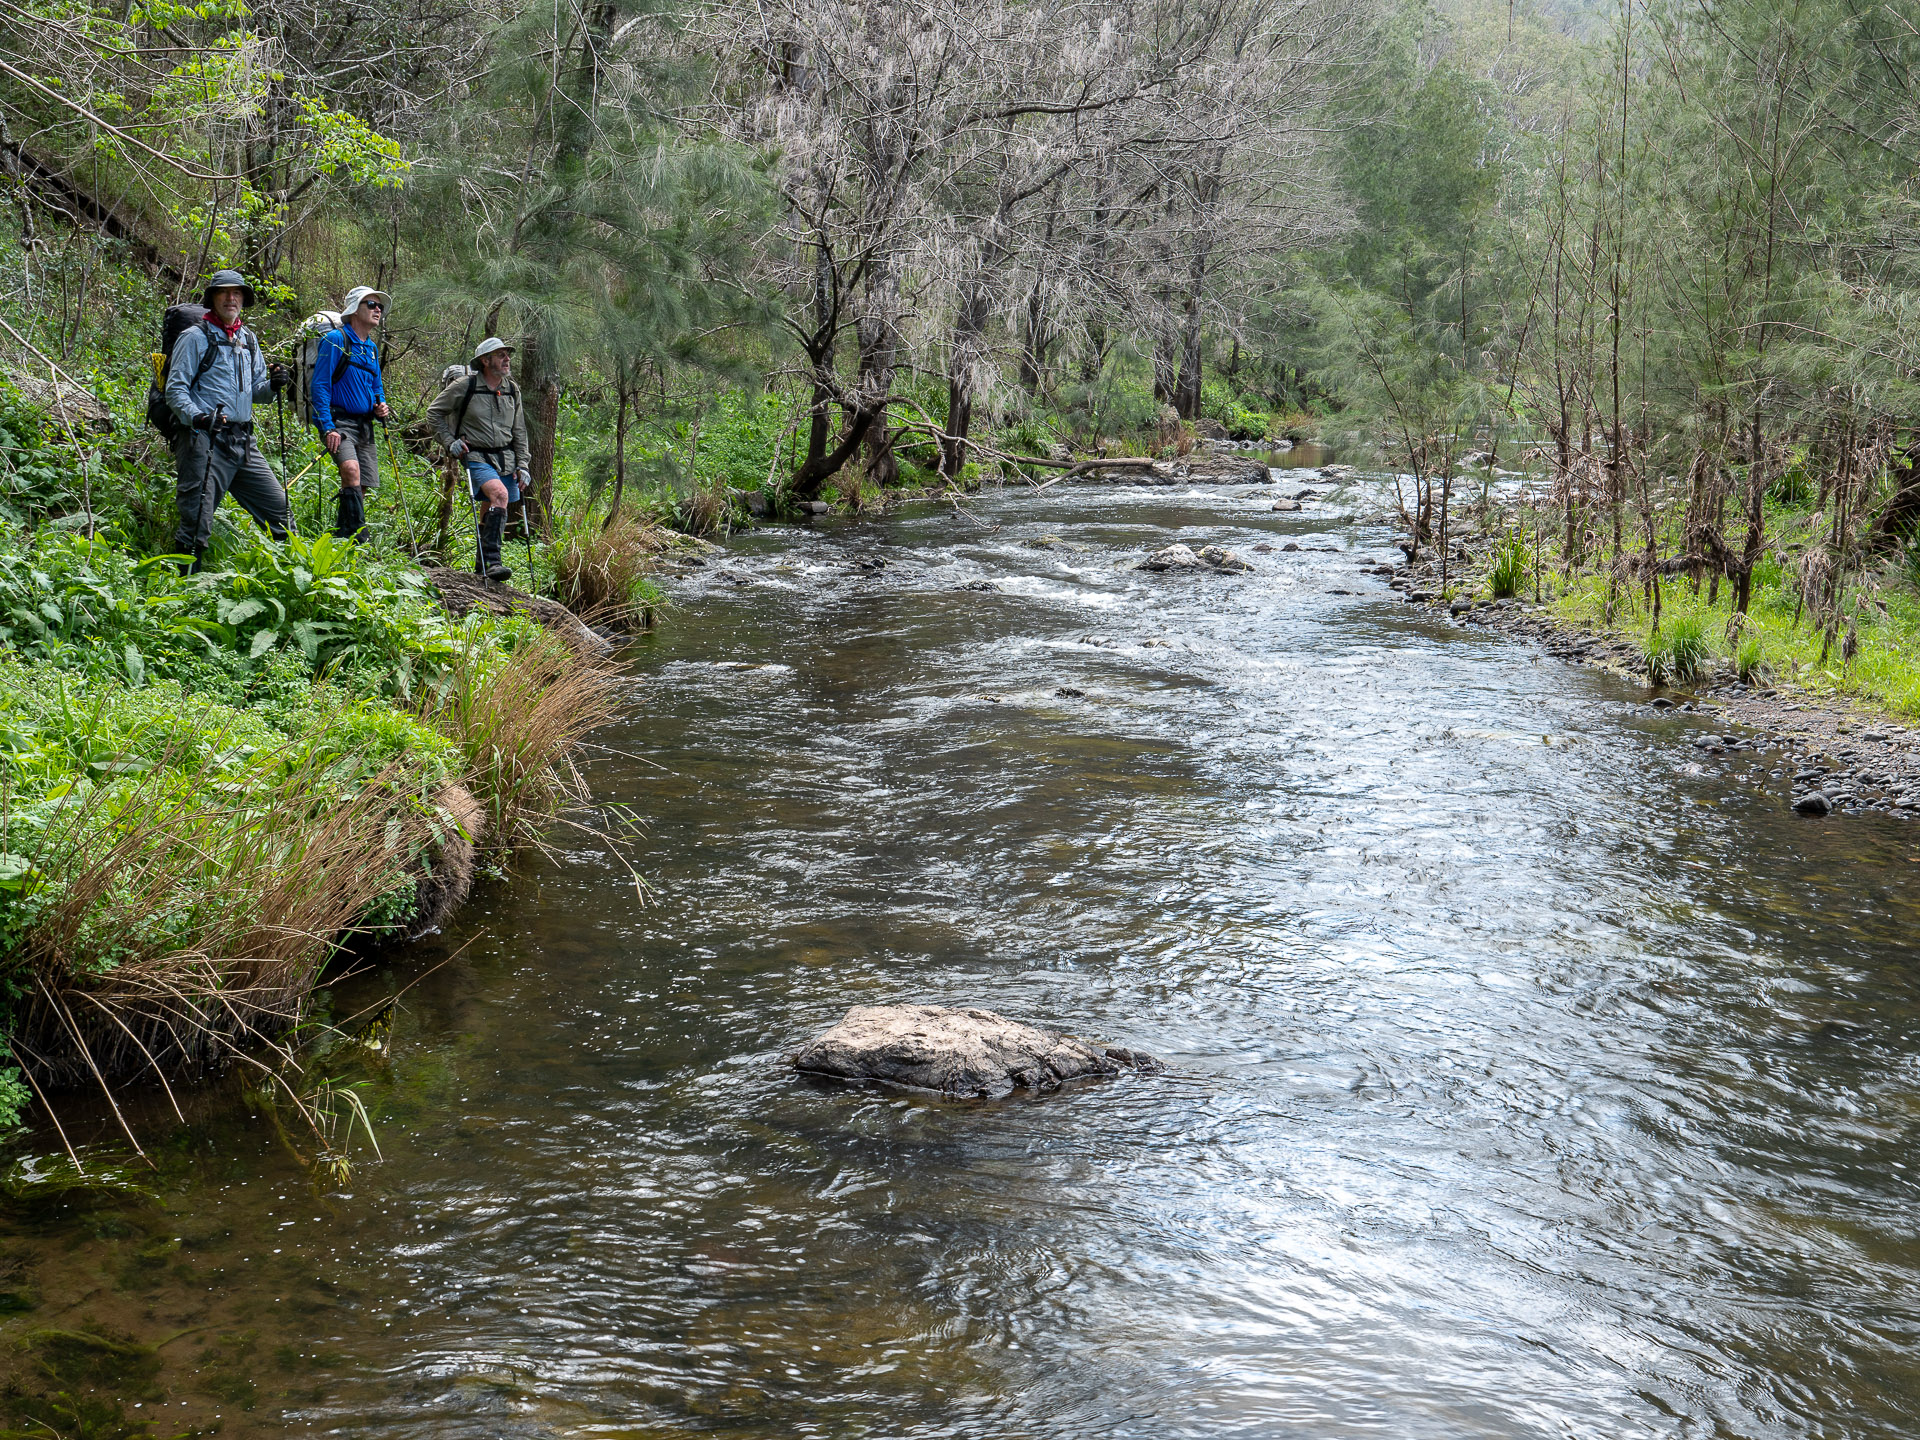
1830	752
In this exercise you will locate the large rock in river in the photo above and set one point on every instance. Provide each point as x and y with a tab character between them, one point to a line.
957	1052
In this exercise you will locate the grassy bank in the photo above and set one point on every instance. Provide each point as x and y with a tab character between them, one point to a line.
210	782
1822	618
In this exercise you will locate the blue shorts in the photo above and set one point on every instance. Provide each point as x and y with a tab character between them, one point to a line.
479	472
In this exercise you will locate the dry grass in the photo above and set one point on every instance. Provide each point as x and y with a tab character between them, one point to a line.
602	571
185	923
518	722
704	512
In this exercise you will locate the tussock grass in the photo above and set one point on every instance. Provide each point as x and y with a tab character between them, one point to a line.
1678	653
604	571
517	722
1509	570
174	920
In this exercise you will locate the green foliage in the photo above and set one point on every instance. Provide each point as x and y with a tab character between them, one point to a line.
1219	402
1509	569
38	476
1749	661
1678	652
89	606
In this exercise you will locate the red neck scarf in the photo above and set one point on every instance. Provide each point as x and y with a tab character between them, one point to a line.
232	330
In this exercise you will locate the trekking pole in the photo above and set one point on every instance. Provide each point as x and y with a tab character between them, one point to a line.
400	491
526	533
280	420
206	485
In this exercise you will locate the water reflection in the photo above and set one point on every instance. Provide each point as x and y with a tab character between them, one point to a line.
1523	1083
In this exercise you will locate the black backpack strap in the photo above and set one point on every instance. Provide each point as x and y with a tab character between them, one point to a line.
460	415
346	357
207	356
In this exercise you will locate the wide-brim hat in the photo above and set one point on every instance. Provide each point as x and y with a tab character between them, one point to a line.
488	347
227	280
359	296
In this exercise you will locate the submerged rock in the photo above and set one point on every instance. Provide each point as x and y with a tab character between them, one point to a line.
962	1052
1814	804
1288	505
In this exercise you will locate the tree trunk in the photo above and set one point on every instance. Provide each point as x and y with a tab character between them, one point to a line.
1901	519
1165	366
805	483
963	362
1186	390
879	333
619	452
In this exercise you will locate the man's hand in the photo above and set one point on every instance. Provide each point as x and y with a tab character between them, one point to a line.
332	438
383	410
278	377
524	481
458	448
204	421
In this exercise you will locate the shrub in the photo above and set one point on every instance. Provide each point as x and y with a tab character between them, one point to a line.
1509	570
1748	663
1678	652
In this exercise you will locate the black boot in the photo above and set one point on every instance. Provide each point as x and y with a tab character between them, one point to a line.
493	530
351	516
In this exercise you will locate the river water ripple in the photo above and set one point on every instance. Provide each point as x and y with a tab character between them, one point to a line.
1524	1080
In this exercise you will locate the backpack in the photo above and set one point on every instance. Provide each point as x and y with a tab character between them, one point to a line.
176	322
315	328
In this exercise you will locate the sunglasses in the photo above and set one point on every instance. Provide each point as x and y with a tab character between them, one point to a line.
373	305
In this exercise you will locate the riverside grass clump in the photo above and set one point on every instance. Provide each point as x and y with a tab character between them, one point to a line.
209	782
1678	652
1509	569
604	570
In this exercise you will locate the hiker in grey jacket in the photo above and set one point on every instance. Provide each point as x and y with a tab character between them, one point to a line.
480	420
213	450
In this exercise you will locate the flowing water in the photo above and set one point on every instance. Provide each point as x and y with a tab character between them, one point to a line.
1524	1077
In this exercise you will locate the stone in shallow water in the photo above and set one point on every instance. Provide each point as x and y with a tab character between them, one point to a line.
1173	557
962	1052
1221	558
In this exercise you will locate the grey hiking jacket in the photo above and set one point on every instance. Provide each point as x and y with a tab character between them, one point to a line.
237	377
495	425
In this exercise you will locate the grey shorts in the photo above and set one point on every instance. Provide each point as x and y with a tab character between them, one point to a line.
360	440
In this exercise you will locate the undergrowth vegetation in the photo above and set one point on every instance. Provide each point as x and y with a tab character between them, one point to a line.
209	781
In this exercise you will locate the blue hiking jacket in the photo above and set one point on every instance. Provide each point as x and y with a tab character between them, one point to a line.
360	387
236	378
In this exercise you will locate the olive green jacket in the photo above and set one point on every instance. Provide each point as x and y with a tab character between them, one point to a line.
494	427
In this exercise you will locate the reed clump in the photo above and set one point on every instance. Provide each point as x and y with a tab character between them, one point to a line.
517	722
603	571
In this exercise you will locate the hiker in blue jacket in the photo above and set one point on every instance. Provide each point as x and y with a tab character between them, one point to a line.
348	396
214	375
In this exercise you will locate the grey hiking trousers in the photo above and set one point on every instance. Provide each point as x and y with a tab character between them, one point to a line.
236	465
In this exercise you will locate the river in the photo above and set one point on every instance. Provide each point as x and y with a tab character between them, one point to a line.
1525	1077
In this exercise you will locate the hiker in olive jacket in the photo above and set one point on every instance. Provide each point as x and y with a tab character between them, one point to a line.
480	420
